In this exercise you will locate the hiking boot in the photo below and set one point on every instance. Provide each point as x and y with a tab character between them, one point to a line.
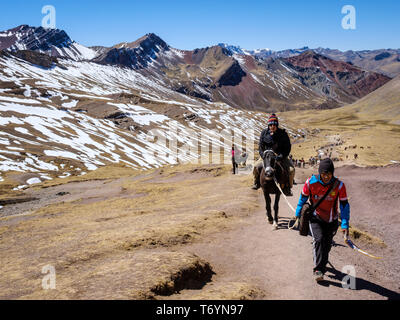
318	276
256	187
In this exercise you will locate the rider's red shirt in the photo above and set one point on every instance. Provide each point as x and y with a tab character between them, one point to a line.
316	189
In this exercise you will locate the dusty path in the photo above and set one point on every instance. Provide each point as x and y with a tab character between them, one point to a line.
280	262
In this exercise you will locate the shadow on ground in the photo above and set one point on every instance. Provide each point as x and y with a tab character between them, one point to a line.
360	284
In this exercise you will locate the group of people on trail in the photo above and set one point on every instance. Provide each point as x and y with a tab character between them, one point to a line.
299	162
324	220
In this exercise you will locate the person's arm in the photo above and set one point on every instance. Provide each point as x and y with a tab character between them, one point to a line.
261	144
286	146
344	210
345	213
305	193
303	199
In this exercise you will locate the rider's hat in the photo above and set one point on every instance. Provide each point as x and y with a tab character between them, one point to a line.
273	119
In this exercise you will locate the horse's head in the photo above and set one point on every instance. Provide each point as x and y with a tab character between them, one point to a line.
269	161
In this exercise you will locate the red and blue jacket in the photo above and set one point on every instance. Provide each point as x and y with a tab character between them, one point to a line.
328	209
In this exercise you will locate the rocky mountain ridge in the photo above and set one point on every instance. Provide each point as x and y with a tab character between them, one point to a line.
241	78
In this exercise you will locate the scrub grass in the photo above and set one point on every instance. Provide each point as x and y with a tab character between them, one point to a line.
123	248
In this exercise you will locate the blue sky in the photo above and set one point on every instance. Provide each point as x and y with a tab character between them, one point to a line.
194	24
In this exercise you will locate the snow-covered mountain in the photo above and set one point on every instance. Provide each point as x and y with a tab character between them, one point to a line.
263	53
66	109
385	61
75	116
53	42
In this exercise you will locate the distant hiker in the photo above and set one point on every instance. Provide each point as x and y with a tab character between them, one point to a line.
278	140
324	220
234	164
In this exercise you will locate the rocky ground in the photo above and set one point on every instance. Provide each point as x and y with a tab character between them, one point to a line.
201	231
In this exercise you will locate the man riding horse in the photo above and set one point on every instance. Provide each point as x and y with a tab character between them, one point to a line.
278	140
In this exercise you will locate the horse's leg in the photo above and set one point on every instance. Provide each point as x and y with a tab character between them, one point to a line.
268	205
276	209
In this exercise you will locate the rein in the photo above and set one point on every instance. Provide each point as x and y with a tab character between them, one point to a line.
284	196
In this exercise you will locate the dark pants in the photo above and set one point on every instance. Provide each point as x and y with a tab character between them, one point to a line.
234	165
322	233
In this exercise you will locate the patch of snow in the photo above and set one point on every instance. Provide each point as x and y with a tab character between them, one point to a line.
15	148
33	181
20	187
66	175
256	79
22	130
71	104
18	100
86	53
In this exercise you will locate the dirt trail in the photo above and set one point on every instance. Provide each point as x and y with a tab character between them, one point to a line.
280	262
109	251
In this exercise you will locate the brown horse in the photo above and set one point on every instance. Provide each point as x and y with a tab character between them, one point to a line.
272	171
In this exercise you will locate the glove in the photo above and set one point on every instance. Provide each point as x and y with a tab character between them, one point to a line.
279	157
345	234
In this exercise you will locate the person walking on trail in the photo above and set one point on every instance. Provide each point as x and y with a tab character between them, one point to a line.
278	140
324	220
234	164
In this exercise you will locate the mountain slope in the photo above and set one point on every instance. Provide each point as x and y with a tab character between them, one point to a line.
77	116
338	80
135	55
383	103
53	42
385	61
220	73
217	74
60	116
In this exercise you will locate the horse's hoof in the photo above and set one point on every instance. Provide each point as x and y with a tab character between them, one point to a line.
275	226
271	221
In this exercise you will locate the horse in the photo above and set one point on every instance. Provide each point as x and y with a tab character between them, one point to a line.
272	171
